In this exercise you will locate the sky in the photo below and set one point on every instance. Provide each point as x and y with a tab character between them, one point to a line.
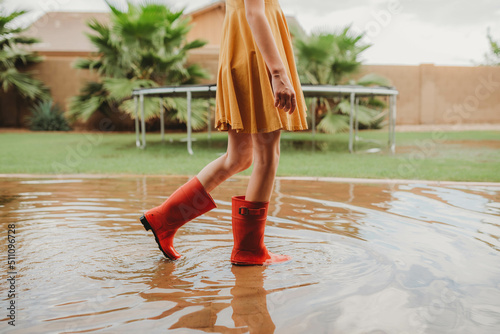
402	32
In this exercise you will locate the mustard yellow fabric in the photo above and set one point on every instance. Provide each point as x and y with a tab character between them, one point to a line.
244	97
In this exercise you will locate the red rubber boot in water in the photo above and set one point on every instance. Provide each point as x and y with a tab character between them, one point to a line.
186	203
249	222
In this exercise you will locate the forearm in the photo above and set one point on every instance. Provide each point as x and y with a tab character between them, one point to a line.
263	36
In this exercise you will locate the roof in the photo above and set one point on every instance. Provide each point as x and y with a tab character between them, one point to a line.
215	5
221	4
65	32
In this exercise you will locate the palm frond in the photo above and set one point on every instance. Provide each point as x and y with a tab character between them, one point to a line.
333	57
143	46
178	111
92	98
492	58
87	64
24	83
373	79
121	88
14	58
334	123
151	108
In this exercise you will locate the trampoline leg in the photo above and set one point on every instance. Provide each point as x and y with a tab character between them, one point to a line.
189	147
351	121
162	120
136	107
143	122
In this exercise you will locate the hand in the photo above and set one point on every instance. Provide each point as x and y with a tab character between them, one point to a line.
284	94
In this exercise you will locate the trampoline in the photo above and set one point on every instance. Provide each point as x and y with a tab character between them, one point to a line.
354	93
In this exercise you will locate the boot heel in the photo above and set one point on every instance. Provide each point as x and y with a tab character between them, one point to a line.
145	223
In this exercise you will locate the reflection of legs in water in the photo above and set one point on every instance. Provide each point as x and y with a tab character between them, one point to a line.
249	300
182	301
168	287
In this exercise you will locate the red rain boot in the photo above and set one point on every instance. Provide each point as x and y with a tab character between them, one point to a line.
249	222
186	203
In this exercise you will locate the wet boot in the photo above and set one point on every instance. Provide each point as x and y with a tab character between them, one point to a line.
186	203
249	222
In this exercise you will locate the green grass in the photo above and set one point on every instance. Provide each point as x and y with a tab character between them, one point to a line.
459	156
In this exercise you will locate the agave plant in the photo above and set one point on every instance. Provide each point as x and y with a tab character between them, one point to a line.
14	57
47	116
325	58
144	46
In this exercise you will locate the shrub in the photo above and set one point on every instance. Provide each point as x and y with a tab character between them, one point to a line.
47	116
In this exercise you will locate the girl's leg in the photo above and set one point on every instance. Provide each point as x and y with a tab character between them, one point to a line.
266	154
249	212
237	158
193	199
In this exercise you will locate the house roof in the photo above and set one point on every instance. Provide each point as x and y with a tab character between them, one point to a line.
215	5
221	4
65	32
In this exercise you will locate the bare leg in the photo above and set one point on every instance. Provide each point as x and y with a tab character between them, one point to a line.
266	153
237	158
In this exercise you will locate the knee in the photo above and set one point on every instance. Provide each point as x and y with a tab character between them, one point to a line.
238	162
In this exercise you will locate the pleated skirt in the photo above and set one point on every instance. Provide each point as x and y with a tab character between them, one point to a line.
244	96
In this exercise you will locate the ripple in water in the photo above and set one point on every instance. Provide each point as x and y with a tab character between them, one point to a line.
410	258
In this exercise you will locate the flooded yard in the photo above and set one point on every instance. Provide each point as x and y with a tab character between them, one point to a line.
367	258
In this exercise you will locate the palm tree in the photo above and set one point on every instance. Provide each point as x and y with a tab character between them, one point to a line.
493	57
144	46
14	57
325	58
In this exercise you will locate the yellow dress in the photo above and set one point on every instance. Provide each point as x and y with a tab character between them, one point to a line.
244	96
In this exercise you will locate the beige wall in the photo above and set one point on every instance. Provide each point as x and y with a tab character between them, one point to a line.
444	94
428	94
63	80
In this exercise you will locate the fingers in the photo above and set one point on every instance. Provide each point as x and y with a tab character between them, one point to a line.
276	100
288	104
285	102
280	100
293	103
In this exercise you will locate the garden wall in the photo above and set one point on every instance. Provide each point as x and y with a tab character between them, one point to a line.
444	94
428	94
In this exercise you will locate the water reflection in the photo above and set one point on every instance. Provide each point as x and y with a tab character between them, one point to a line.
367	258
249	301
199	309
188	311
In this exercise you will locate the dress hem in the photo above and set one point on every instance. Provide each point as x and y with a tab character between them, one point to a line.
226	126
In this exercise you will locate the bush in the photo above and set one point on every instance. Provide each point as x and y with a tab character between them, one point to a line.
47	116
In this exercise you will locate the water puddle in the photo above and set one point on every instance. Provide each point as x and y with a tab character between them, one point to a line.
367	258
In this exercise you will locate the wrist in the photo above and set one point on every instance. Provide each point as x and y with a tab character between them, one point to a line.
279	71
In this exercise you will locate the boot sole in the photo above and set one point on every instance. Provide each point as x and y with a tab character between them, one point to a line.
148	227
241	264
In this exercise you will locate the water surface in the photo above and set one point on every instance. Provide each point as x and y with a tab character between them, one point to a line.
367	258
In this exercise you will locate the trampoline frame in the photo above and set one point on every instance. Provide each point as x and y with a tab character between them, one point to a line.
209	91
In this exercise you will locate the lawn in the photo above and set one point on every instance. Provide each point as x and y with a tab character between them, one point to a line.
458	156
